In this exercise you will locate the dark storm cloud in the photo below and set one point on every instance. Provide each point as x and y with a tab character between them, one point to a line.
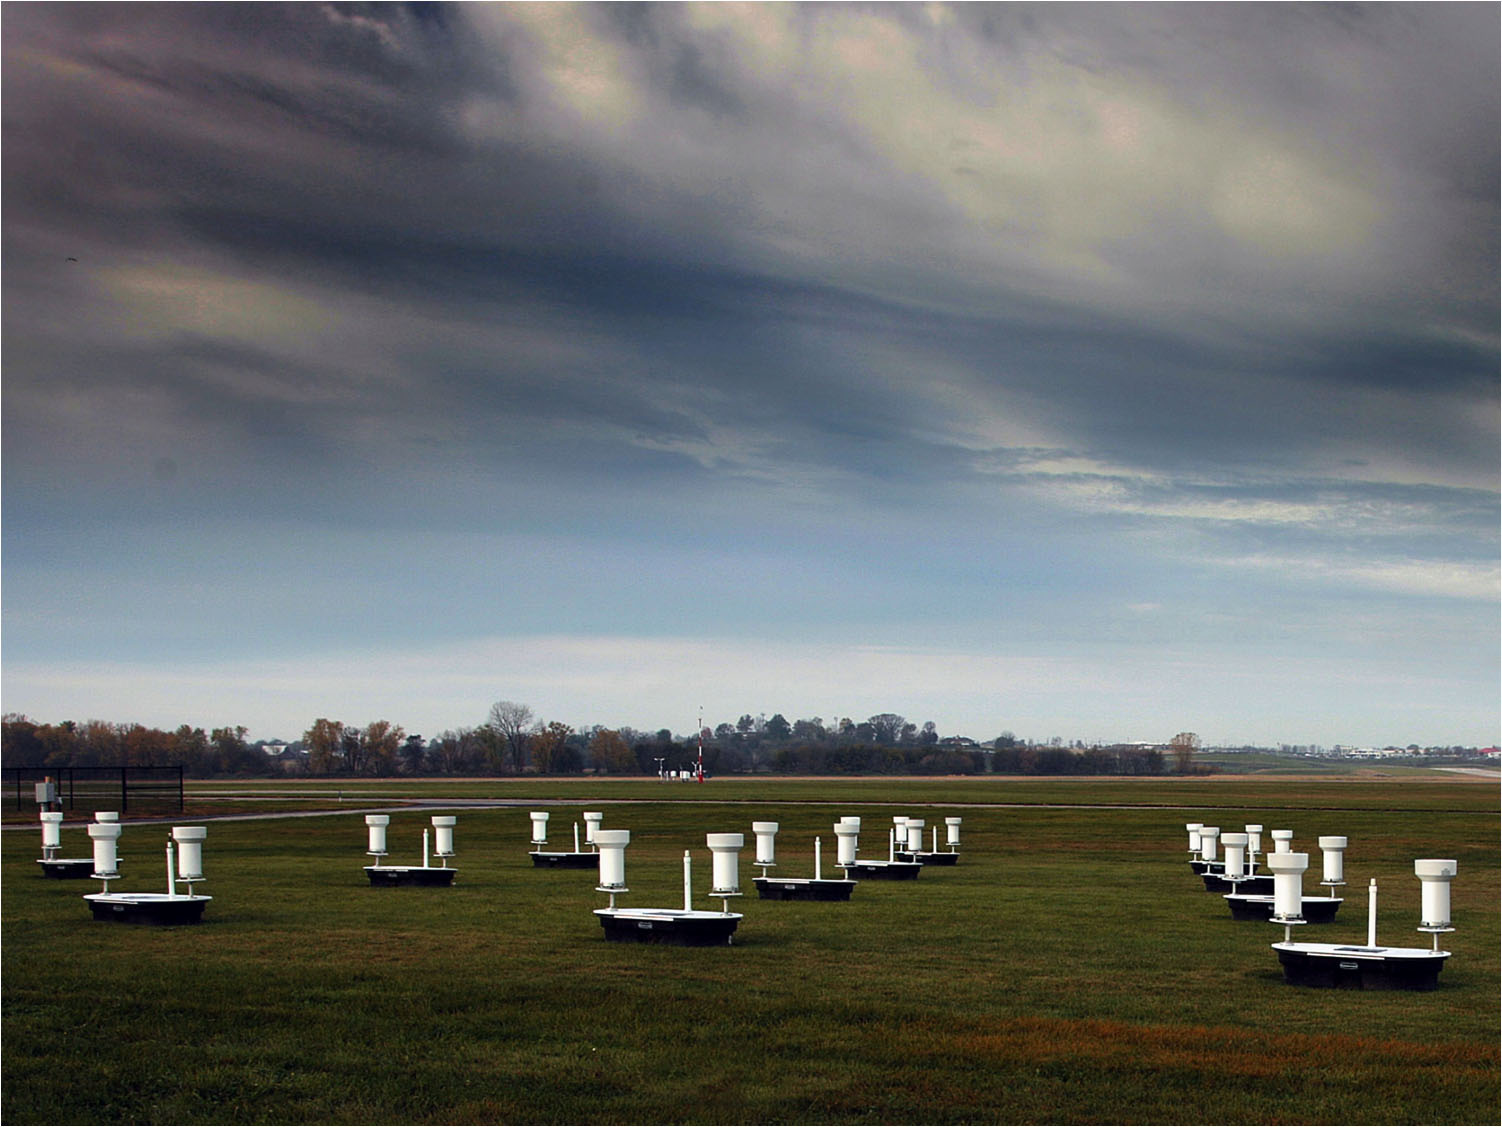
1118	250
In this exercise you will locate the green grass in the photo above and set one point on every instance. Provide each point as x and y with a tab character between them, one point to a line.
1069	969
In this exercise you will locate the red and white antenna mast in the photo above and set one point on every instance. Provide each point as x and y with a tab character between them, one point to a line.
700	774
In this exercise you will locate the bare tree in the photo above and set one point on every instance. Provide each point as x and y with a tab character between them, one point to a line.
511	723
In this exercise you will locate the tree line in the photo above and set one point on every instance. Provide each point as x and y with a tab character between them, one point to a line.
513	741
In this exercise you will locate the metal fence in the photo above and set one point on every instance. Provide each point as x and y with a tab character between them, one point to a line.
135	790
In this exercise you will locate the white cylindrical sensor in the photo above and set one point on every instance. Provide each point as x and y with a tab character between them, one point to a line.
1436	876
1282	841
845	842
1235	855
190	850
52	829
1332	850
1208	837
952	832
539	827
1194	836
376	831
105	835
612	845
915	835
1288	885
727	856
1253	841
592	820
766	842
443	835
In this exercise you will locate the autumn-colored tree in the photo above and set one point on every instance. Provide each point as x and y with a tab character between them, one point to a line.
1183	746
324	741
611	754
546	746
380	742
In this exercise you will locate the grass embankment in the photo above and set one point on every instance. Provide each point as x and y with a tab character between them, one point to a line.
1069	969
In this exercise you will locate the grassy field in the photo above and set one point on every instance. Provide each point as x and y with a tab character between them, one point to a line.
1069	970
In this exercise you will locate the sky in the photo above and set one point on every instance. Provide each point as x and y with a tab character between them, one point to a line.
1092	372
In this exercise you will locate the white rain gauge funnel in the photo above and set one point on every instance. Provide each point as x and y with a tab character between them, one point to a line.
1235	865
443	837
1208	837
1282	841
915	835
952	834
766	845
539	827
52	833
846	837
1253	843
1332	853
106	865
612	847
1194	838
726	849
592	820
375	830
190	852
1435	876
1288	889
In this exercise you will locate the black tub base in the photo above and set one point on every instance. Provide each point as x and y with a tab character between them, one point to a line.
565	860
670	926
883	870
1258	885
156	908
1331	965
929	858
1315	909
393	876
67	868
770	888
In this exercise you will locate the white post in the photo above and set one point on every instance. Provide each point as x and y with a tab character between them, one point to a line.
891	846
1371	913
425	849
576	837
688	882
818	861
171	874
